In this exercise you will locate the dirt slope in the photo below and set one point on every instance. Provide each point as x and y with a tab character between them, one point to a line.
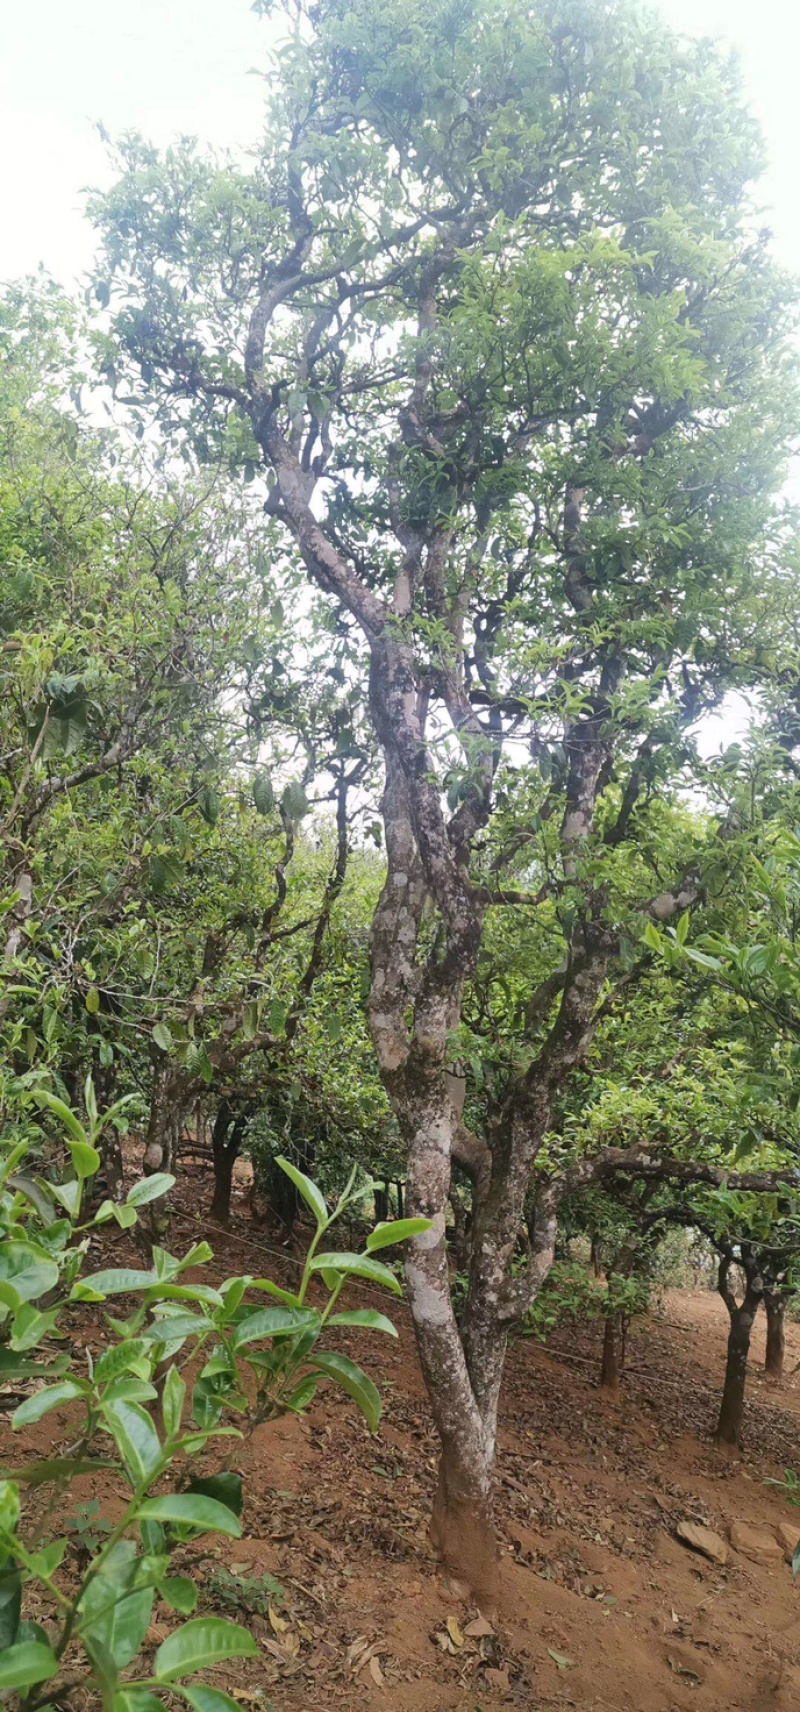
603	1610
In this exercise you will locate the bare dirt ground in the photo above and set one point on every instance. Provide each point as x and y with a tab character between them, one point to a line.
602	1609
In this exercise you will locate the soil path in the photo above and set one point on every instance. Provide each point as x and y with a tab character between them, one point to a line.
602	1609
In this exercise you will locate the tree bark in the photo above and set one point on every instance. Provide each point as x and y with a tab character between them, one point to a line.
382	1209
226	1140
775	1305
611	1366
462	1526
113	1168
741	1314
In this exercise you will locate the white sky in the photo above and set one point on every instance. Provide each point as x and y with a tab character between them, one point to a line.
171	66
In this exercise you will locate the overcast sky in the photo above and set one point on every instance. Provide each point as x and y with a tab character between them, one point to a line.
171	66
168	67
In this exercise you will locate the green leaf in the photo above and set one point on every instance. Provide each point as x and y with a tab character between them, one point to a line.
361	1266
364	1317
150	1188
275	1290
13	1367
10	1605
162	1037
36	1193
202	1642
136	1438
209	802
128	1357
136	1700
56	1468
353	1381
224	1488
24	1665
395	1230
180	1593
63	1113
303	1394
169	1328
309	1191
69	1194
92	1001
263	793
198	1062
191	1509
702	958
273	1322
117	1626
115	1282
43	1401
173	1398
186	1293
31	1326
9	1505
85	1159
130	1390
294	801
28	1271
45	1562
205	1699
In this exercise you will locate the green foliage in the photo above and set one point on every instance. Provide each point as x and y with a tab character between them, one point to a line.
137	1417
570	1294
251	1593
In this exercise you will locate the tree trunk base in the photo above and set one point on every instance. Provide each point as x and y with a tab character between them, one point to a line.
463	1536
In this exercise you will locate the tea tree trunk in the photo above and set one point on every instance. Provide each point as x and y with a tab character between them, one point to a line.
775	1306
741	1316
611	1364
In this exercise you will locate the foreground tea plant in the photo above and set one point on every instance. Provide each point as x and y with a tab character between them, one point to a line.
136	1418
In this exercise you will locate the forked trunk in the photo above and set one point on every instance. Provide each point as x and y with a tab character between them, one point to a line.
742	1315
729	1425
225	1143
611	1365
775	1304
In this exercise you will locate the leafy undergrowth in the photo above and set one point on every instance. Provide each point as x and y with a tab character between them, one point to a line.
602	1609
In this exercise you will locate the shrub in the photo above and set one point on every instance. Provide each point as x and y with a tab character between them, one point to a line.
138	1419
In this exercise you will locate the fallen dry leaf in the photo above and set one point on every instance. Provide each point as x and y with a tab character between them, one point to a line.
684	1670
454	1631
478	1629
561	1659
278	1624
376	1673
